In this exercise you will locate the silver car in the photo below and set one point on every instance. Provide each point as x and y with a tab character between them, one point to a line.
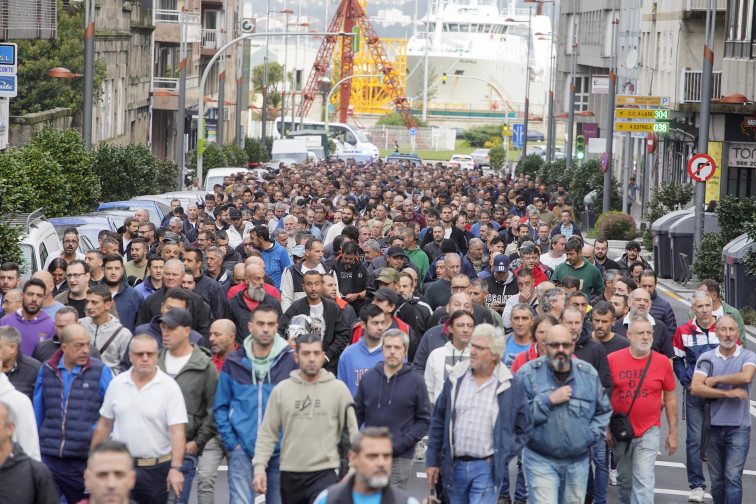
481	157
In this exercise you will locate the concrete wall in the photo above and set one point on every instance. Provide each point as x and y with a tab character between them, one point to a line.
22	128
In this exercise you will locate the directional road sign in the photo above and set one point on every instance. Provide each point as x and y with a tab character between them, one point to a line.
701	167
518	131
655	127
641	114
647	101
413	131
8	70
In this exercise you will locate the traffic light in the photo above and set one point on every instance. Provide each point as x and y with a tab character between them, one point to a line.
580	147
443	79
504	130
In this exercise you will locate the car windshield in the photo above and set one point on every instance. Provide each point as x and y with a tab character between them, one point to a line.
361	136
28	264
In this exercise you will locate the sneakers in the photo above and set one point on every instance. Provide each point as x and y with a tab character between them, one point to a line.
613	477
696	495
504	499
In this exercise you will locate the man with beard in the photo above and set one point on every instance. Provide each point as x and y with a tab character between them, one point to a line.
154	280
591	282
244	302
211	291
326	317
603	317
362	356
450	231
137	266
631	255
640	303
33	323
126	300
330	290
352	276
70	248
371	457
557	465
600	249
130	231
641	380
10	279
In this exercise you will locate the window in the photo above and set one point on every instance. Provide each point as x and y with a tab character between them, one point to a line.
739	30
582	90
121	101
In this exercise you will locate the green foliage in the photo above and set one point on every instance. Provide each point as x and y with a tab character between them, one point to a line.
615	225
708	257
38	92
167	175
395	119
275	79
214	157
734	215
125	171
497	157
235	155
553	173
12	195
257	152
530	165
48	183
477	136
67	148
587	177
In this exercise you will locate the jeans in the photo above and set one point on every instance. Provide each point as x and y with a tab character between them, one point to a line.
207	470
189	469
694	407
472	483
400	472
521	490
150	486
68	475
635	467
728	449
598	482
240	476
553	480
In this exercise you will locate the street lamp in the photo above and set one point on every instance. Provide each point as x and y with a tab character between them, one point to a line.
63	73
550	140
286	12
336	86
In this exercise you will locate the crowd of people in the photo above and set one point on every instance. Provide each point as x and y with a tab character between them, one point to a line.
322	327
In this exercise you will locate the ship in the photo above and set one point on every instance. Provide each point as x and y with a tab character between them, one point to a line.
478	58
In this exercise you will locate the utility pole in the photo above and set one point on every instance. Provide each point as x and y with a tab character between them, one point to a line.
703	127
571	110
181	112
425	66
609	133
221	100
264	118
527	88
89	36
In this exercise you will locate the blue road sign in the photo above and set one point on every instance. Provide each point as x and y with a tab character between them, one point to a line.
8	86
517	133
604	161
413	131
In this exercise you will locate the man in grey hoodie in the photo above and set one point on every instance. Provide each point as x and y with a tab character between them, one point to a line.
107	334
311	400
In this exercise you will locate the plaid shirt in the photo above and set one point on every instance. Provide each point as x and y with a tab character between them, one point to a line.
474	419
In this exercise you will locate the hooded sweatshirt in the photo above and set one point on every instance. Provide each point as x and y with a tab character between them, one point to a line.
26	481
355	361
311	416
99	336
32	331
25	433
261	365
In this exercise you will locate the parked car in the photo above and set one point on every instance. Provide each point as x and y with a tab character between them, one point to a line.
459	133
38	241
88	226
157	210
481	157
535	136
464	161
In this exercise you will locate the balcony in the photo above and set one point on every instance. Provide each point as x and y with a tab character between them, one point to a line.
702	5
167	18
212	40
165	91
690	86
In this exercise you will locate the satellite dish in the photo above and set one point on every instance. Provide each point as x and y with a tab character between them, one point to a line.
631	61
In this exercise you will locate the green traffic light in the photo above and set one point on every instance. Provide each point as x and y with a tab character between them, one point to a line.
580	155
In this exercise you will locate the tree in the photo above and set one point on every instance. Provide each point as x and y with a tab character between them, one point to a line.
256	151
125	171
477	136
167	175
394	119
36	91
275	78
530	165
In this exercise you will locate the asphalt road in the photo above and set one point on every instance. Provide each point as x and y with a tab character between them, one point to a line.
671	478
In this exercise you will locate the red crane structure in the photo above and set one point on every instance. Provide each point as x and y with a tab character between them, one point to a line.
351	14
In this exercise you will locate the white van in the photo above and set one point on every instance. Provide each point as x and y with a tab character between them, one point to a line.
38	240
216	175
353	138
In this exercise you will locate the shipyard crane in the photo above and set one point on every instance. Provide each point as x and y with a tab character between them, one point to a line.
351	14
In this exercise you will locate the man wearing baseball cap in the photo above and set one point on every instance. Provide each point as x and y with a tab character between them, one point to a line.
501	284
193	369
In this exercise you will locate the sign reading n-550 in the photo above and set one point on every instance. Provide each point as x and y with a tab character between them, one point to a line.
647	127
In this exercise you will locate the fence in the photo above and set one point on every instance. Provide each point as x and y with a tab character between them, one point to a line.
427	139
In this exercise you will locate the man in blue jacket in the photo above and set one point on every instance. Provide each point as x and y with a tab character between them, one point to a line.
362	356
67	399
275	256
246	380
394	396
660	309
481	420
570	412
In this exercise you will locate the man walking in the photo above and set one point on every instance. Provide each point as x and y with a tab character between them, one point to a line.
31	321
110	474
640	378
362	356
570	411
246	381
126	300
310	401
481	420
107	333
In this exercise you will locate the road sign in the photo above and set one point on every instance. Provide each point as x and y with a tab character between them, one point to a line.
638	126
413	131
8	86
8	70
604	161
701	167
248	25
518	131
651	143
648	101
641	114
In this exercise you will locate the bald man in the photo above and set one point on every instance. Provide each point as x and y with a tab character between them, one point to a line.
49	305
269	287
589	254
250	297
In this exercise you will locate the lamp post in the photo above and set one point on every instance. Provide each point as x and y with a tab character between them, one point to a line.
527	88
609	133
571	120
295	79
286	12
263	135
550	140
336	86
89	32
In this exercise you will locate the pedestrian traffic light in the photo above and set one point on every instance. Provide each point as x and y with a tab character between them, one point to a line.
580	147
443	79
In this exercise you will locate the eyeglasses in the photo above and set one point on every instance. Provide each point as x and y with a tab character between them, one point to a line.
556	345
142	354
70	241
75	275
478	348
456	288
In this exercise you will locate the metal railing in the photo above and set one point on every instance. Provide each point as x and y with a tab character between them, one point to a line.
28	19
211	39
171	83
169	16
690	86
702	5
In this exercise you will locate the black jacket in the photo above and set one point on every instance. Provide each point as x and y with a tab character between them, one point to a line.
213	294
341	493
457	236
624	264
662	342
610	264
594	353
240	313
337	334
201	315
231	259
23	375
26	481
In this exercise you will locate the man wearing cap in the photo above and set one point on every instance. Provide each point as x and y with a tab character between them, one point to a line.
291	280
501	285
240	226
352	276
193	369
389	278
326	316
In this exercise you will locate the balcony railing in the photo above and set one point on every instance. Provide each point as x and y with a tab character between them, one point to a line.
211	39
171	84
690	86
702	5
169	16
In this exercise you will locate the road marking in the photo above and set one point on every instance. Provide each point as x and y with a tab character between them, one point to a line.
422	475
223	468
675	492
259	499
669	464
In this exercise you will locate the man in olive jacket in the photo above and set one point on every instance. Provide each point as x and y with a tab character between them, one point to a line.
193	369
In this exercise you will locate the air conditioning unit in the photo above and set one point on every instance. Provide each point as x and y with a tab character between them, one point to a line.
226	113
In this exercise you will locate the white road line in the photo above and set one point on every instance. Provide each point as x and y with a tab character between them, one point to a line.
422	475
259	499
670	464
675	492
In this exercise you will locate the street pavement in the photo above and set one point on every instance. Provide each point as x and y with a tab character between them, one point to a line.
671	486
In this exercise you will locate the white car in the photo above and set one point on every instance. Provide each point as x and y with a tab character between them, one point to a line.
38	241
463	161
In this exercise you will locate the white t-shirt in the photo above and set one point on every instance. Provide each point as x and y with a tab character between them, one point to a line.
142	418
316	314
552	262
175	364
